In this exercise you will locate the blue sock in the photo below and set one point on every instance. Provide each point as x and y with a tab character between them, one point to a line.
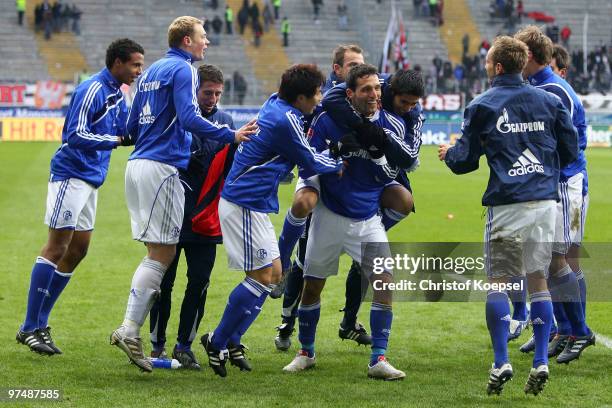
183	346
308	318
56	287
559	288
238	308
293	228
248	321
498	323
42	273
390	217
381	317
541	319
582	285
519	299
573	307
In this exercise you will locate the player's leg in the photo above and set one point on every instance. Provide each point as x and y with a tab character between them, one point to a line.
250	242
396	203
155	198
200	262
326	239
160	311
372	233
304	201
65	202
502	262
309	312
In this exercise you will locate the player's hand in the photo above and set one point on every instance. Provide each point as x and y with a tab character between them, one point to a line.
127	140
242	134
347	145
369	135
442	149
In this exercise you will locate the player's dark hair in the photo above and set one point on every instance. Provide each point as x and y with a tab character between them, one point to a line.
539	44
357	72
561	56
408	82
511	53
123	49
210	73
300	79
341	50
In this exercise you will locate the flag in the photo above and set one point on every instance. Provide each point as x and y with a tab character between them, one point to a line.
395	47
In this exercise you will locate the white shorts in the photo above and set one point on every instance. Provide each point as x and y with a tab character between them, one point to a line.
571	213
330	235
518	238
312	182
71	204
248	237
155	198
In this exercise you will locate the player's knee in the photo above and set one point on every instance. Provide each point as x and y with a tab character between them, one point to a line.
557	263
54	252
304	202
312	291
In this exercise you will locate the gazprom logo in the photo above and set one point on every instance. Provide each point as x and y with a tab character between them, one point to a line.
145	115
504	125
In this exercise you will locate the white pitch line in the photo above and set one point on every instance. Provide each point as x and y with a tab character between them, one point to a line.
600	339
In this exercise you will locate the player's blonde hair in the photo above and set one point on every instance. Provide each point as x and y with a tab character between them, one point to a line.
181	27
511	53
539	44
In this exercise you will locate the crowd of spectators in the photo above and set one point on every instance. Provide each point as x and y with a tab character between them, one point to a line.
431	9
57	17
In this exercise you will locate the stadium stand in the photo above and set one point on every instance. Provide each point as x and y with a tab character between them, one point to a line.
21	59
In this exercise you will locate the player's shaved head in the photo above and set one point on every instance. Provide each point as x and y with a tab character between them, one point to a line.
358	72
180	28
510	53
540	46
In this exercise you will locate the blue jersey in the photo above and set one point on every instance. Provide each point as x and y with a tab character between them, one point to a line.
357	193
261	163
165	112
547	80
403	153
95	120
525	133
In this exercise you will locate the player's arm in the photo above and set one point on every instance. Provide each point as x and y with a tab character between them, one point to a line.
567	137
294	146
88	101
132	120
339	108
188	112
464	156
405	142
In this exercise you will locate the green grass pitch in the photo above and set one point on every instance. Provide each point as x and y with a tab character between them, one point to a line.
443	347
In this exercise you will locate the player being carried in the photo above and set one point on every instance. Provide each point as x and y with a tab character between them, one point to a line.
346	219
251	193
400	94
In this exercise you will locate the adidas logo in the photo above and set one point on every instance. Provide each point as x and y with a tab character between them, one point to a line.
145	117
526	163
537	320
506	318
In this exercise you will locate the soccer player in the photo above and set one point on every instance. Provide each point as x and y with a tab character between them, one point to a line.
94	126
200	232
164	114
560	61
524	149
566	280
347	217
251	192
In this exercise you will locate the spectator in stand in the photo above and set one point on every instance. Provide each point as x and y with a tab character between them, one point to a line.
316	5
243	16
286	30
433	8
47	19
440	12
520	10
277	5
417	4
268	18
229	20
254	13
21	6
257	33
217	25
465	42
240	87
552	31
566	32
76	19
342	15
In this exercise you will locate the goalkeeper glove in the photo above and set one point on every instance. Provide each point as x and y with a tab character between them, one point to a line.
346	145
